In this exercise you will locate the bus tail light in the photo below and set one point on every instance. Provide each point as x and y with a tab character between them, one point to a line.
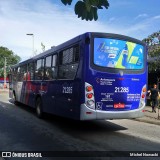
89	88
89	96
88	112
143	97
143	93
144	89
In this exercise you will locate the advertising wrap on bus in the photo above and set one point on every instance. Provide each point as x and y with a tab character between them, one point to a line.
119	91
118	54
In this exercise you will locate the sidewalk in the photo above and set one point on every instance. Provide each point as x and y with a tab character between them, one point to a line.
149	116
4	90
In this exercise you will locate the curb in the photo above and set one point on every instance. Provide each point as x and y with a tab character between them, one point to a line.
148	119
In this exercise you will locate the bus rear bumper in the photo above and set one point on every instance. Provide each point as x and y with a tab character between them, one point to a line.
90	114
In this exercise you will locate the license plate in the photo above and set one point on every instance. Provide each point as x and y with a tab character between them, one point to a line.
119	105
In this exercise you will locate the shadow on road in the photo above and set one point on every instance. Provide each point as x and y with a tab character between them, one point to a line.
66	124
84	126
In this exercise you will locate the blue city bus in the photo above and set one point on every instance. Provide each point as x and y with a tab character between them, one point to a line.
92	76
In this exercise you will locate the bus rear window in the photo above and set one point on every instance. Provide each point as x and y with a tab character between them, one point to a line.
120	54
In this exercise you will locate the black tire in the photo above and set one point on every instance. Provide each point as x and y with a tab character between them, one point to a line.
39	110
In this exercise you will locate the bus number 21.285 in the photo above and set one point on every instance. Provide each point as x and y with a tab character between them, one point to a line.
67	90
122	89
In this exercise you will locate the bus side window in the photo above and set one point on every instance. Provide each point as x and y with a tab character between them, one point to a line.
19	74
14	74
39	69
76	54
48	69
68	61
51	67
30	73
24	72
54	67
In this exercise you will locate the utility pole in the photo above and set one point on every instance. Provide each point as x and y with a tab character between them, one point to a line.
5	62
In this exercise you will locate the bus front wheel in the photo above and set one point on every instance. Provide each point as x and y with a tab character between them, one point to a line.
39	111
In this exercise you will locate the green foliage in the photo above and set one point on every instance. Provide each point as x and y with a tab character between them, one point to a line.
87	9
153	44
11	59
65	2
152	39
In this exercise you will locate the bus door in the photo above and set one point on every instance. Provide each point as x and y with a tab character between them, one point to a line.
19	85
10	86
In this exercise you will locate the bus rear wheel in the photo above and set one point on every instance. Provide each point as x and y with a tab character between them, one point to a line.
39	111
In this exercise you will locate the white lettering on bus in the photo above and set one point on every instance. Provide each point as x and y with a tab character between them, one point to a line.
67	90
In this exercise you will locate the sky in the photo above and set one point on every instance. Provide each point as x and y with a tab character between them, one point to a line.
53	23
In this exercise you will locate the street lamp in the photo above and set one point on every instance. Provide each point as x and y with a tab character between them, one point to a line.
31	34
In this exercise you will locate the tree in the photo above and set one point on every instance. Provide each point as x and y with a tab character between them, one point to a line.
87	9
153	45
11	59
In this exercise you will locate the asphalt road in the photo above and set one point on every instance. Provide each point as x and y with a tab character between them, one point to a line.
21	130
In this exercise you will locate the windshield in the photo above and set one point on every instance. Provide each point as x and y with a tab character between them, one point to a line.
121	54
